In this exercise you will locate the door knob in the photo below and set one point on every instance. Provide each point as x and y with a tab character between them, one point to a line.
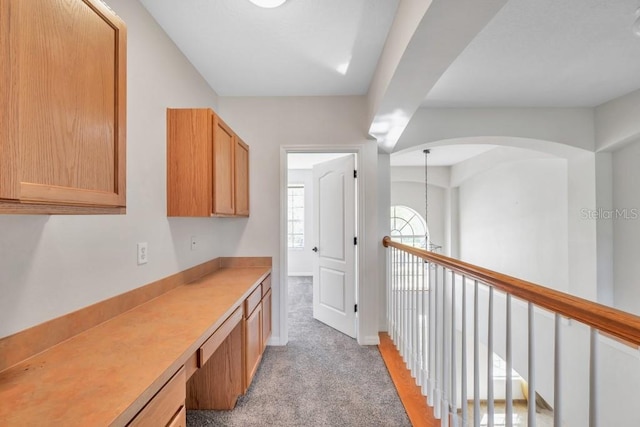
315	249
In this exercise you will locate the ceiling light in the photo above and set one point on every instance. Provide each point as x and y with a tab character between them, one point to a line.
636	25
268	3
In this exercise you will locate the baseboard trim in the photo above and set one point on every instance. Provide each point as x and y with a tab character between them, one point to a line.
275	341
369	340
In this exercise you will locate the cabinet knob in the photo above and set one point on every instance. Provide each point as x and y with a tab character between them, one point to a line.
315	249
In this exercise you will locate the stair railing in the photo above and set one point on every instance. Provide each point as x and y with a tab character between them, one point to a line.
441	312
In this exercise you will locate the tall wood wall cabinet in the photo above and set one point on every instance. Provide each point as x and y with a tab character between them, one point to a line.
62	107
207	166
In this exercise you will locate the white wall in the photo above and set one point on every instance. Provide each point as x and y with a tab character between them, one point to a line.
626	228
301	260
616	122
270	123
384	205
51	265
513	219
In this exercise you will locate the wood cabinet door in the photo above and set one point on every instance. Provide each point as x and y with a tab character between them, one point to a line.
241	178
62	103
266	319
223	168
189	153
253	344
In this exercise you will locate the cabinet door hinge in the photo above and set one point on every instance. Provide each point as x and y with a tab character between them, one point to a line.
355	173
355	240
355	308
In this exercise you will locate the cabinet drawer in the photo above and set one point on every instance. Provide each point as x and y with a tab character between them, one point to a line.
211	345
266	285
165	404
180	420
252	301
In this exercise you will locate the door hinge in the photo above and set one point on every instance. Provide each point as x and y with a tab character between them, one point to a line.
355	308
355	173
355	240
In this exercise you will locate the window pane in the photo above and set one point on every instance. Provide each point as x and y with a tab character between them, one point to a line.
295	227
408	226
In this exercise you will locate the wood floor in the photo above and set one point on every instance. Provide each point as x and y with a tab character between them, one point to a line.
420	414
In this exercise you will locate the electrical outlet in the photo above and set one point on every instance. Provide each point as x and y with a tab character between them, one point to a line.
194	243
143	254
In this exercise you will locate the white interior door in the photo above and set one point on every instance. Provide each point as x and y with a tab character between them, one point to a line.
334	287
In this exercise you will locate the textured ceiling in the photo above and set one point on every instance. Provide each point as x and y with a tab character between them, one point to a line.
302	48
546	53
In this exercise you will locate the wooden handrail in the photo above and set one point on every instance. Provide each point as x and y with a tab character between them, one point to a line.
608	320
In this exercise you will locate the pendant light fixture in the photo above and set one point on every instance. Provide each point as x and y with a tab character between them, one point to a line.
429	245
426	201
268	4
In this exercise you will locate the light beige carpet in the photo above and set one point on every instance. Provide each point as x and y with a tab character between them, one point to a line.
321	378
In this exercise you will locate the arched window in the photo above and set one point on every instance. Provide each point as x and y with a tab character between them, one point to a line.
408	227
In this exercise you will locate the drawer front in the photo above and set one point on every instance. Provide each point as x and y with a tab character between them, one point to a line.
165	404
252	301
266	285
180	420
211	345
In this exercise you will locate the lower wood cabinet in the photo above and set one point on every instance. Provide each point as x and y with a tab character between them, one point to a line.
253	344
166	408
257	327
218	382
266	319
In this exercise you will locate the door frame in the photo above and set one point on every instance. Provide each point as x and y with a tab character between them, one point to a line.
358	150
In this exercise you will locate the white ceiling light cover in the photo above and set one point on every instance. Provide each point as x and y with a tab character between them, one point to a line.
268	3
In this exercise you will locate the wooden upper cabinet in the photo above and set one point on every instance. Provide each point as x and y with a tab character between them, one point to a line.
207	166
62	107
223	168
241	178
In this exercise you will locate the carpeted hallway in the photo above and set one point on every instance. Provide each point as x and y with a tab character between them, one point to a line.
321	378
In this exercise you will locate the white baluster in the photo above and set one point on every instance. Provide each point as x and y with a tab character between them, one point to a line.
423	330
446	350
509	385
431	364
389	290
409	292
463	391
593	379
454	397
437	404
392	312
531	414
490	401
403	307
476	360
416	321
557	373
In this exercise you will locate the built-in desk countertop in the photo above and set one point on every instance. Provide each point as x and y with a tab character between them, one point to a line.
105	375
